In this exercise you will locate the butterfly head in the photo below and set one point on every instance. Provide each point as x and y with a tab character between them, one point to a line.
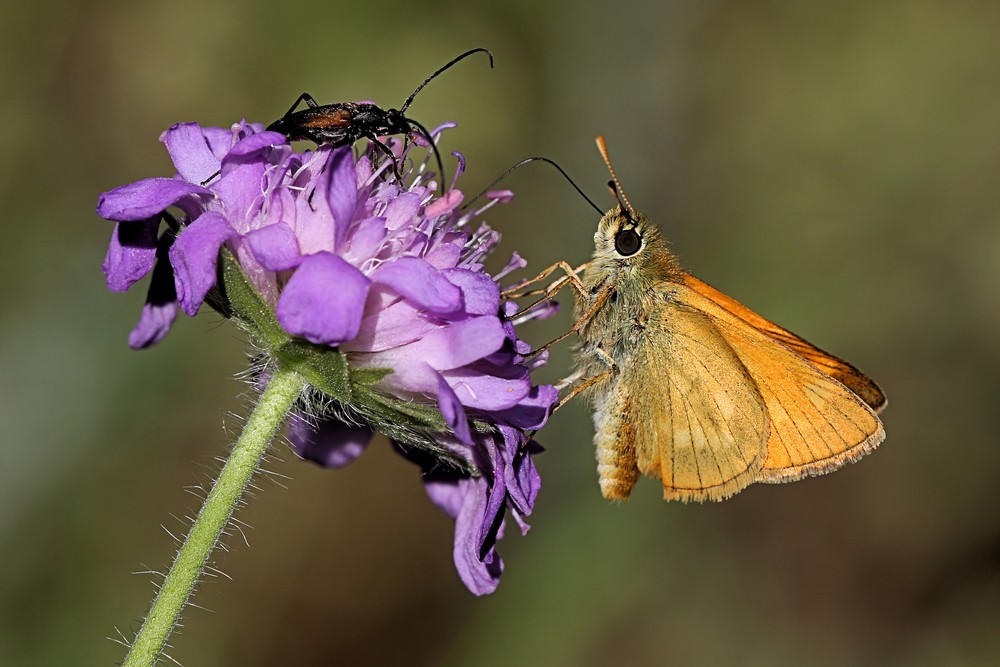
627	240
627	246
622	234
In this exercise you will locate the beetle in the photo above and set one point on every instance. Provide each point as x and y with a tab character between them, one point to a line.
343	123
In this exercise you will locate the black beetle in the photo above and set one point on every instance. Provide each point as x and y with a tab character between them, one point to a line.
343	123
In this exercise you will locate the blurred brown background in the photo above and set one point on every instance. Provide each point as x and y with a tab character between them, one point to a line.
834	167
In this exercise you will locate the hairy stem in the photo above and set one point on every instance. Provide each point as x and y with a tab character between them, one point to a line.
268	416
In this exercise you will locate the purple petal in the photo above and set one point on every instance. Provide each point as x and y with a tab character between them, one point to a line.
341	192
452	346
532	412
365	239
255	143
313	221
420	283
468	502
480	294
190	152
160	310
248	152
459	344
520	475
144	199
219	140
274	246
194	257
154	324
402	210
332	444
477	505
324	300
445	255
239	190
489	392
416	246
131	253
363	169
446	493
453	412
490	520
388	326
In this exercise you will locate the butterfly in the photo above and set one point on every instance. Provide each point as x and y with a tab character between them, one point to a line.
692	387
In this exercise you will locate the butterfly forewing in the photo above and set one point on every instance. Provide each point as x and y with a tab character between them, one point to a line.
817	424
833	366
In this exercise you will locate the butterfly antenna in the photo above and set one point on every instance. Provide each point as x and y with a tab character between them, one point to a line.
409	100
521	164
619	192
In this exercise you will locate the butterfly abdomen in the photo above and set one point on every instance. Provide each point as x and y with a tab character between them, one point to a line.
614	439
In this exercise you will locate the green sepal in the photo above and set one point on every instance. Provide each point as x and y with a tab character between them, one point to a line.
410	425
235	297
382	410
368	376
322	366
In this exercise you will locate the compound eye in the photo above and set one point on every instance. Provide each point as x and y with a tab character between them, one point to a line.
627	242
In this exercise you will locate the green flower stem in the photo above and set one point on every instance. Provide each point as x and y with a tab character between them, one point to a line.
278	398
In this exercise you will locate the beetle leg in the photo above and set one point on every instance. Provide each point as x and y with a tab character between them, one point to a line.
388	151
304	97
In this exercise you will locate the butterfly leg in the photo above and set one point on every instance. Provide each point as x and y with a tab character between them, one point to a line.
611	370
596	304
578	389
514	291
571	278
569	380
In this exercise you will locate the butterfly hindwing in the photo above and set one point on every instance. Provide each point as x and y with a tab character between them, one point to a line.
700	422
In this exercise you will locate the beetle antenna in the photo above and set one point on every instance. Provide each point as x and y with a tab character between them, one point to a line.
524	162
617	189
428	137
409	100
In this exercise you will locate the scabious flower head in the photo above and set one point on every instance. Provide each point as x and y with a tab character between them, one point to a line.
373	289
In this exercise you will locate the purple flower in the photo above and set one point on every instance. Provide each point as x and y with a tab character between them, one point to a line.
373	289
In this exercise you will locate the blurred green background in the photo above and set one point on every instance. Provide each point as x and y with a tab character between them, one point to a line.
834	166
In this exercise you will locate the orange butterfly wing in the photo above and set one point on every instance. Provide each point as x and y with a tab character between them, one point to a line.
700	423
816	423
833	366
710	404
